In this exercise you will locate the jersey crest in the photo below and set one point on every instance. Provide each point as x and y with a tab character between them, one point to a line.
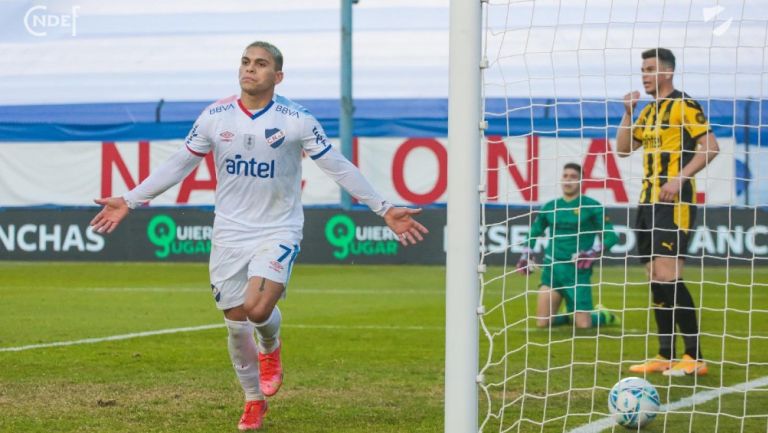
275	137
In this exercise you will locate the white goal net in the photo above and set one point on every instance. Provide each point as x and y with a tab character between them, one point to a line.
555	73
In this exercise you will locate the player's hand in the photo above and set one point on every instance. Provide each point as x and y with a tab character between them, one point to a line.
115	209
527	264
670	190
408	230
585	259
630	101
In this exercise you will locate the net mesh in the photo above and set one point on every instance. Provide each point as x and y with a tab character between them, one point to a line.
555	73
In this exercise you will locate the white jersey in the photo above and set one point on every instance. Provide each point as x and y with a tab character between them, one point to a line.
258	168
258	164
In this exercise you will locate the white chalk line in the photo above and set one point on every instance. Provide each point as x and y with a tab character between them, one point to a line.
695	399
110	338
214	326
207	327
594	427
301	291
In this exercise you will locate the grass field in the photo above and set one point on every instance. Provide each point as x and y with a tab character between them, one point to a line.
363	352
563	378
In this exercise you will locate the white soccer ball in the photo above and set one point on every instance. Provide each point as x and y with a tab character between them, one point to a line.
633	402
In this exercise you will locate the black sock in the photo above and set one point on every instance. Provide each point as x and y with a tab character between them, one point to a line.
685	319
662	310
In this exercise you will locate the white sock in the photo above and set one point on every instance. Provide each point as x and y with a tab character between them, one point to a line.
268	331
245	357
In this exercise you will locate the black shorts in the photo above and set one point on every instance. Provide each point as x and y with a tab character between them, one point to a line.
663	229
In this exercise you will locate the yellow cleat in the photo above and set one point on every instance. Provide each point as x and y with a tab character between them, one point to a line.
658	364
688	366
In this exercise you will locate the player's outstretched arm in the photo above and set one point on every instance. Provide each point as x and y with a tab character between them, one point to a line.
115	209
169	173
399	219
408	230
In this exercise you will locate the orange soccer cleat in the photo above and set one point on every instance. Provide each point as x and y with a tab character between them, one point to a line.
688	366
253	415
656	365
271	371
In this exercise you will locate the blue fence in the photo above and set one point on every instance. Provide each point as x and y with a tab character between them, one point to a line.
744	119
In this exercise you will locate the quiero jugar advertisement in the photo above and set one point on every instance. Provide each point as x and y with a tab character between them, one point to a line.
184	234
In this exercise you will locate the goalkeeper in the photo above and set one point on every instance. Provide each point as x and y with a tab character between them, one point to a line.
574	220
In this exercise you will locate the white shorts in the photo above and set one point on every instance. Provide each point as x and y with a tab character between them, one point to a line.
230	268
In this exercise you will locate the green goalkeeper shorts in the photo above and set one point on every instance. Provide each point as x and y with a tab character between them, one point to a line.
574	285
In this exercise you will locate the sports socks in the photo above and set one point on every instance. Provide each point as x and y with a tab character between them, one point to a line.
685	319
673	307
268	331
245	357
662	309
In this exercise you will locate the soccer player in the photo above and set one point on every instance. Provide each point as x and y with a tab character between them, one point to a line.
257	142
677	143
574	221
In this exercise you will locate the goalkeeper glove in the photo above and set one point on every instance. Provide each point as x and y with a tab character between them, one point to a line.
526	264
585	259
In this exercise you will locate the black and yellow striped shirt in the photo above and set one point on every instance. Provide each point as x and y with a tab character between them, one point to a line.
668	129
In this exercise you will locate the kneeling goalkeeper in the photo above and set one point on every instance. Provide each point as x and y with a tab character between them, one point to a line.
574	221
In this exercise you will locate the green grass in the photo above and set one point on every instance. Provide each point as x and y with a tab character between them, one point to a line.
363	352
562	377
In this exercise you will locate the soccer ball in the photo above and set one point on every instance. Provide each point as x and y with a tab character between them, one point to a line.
633	402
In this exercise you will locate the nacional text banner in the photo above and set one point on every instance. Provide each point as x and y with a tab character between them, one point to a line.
520	171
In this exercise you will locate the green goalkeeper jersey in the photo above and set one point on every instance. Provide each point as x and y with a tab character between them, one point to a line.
573	226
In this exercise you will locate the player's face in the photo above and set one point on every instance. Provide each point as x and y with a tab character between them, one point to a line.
656	75
570	182
257	71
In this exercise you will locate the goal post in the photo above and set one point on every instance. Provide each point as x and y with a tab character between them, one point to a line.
463	226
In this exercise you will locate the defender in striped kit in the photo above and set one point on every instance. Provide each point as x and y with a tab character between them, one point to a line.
677	143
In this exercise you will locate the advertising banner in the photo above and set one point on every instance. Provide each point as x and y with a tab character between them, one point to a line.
183	234
173	234
521	171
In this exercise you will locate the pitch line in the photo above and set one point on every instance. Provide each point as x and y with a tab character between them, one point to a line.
695	399
110	338
207	327
301	291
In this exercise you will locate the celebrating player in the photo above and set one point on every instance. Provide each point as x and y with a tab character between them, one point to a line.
677	143
257	142
574	221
